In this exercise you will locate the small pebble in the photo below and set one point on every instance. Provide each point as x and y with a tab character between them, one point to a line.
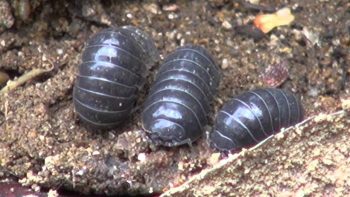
178	36
214	158
224	64
172	16
254	1
129	15
180	166
141	157
81	172
52	193
88	10
171	8
227	25
311	36
59	51
345	103
313	92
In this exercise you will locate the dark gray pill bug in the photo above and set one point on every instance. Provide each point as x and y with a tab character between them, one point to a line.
253	116
114	67
178	104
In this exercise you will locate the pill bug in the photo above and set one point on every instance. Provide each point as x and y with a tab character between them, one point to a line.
176	109
114	66
253	116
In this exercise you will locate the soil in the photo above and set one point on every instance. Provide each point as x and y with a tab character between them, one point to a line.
43	144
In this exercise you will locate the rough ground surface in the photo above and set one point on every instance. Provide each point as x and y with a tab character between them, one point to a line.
42	143
286	165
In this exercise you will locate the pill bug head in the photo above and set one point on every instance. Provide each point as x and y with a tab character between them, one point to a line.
166	133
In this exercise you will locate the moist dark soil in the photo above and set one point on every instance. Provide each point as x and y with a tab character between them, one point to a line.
42	142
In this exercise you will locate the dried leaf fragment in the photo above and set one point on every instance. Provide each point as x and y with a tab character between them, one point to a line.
275	74
266	22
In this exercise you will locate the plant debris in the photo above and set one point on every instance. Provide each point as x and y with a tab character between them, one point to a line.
23	79
275	74
267	22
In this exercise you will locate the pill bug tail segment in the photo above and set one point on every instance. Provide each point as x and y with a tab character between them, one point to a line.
175	111
253	116
113	69
147	44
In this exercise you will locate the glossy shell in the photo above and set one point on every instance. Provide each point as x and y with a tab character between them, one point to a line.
253	116
114	65
176	109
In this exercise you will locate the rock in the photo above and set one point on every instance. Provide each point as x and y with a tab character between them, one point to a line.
224	64
227	25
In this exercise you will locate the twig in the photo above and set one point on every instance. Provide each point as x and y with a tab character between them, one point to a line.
12	84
